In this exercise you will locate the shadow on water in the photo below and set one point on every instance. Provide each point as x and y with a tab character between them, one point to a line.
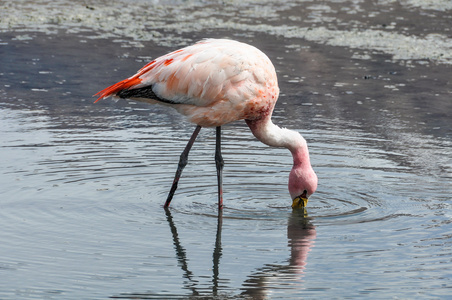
300	234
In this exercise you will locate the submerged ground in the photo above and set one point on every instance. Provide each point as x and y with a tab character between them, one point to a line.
367	83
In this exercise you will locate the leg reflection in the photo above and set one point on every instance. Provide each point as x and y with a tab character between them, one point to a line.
180	253
183	261
217	254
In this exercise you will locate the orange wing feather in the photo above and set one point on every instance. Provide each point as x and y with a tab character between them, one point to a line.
126	83
111	90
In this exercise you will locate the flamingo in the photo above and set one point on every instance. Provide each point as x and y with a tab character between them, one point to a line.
215	82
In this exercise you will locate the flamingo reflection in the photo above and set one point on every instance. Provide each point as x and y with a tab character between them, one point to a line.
182	257
301	235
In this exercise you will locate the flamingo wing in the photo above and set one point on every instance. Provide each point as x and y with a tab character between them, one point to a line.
195	75
213	82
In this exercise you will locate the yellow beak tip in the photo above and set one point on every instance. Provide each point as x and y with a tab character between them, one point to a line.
299	202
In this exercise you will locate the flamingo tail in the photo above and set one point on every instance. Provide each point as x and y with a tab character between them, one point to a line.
118	87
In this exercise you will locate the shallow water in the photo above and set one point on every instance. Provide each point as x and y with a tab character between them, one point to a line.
83	184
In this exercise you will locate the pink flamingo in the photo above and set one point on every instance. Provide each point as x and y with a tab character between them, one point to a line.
215	82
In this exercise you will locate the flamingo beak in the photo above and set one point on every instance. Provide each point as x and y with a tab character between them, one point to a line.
299	202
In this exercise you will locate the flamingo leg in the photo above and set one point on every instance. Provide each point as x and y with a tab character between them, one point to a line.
182	163
219	162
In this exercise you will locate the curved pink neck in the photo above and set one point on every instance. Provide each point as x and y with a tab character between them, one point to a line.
302	177
272	135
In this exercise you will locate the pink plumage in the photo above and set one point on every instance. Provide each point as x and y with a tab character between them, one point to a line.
215	82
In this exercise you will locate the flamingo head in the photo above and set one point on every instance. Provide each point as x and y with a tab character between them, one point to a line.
302	184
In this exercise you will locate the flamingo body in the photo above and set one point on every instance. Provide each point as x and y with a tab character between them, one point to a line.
215	82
